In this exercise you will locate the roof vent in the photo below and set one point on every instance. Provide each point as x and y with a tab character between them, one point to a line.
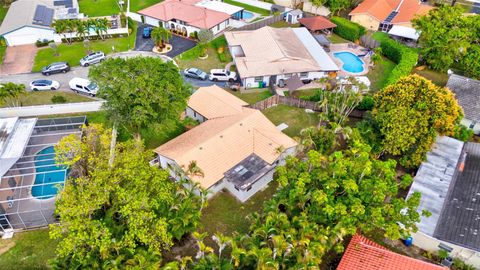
241	124
201	148
221	136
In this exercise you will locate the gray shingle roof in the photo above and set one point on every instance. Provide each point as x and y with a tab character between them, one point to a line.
21	13
467	92
459	222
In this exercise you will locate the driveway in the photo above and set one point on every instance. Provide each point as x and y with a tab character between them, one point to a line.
18	59
179	44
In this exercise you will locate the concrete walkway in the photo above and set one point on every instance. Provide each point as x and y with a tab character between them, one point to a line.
229	65
52	109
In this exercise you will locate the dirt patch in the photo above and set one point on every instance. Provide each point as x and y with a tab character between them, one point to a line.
5	245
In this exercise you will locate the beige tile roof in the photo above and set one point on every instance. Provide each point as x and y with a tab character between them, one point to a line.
213	101
271	51
219	144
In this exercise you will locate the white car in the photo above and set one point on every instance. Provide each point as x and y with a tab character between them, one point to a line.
92	58
80	85
222	75
42	85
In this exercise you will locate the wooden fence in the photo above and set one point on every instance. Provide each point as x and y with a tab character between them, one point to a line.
261	23
296	102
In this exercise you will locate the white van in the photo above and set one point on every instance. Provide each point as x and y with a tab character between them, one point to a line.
79	85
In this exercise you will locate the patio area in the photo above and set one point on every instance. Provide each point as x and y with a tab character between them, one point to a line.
359	51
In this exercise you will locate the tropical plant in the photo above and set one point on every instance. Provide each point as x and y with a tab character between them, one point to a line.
60	28
81	29
54	48
140	91
204	37
160	36
410	114
10	93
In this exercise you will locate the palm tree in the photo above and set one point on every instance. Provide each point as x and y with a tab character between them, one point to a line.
194	170
160	36
222	242
11	91
60	27
82	29
104	23
70	27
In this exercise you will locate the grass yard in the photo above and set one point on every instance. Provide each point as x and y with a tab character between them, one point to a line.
45	98
284	24
3	12
305	93
74	52
95	8
3	49
225	214
258	10
251	98
436	77
31	250
334	38
296	118
379	74
204	64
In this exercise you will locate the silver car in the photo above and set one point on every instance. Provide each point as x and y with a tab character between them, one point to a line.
92	58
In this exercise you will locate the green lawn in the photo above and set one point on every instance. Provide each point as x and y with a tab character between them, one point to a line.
3	12
95	8
45	97
436	77
74	52
258	10
137	5
334	38
3	49
214	59
296	118
379	74
251	98
32	250
225	214
284	24
305	93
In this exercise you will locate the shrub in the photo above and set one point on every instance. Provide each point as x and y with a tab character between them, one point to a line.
366	104
43	42
222	57
463	133
348	29
56	99
405	57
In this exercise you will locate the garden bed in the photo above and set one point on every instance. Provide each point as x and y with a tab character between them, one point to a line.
215	59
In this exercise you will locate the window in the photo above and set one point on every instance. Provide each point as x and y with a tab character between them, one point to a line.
303	74
259	79
194	114
288	75
218	27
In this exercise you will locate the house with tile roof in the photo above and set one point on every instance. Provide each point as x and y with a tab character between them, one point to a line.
236	148
449	182
190	16
269	55
364	254
467	91
382	15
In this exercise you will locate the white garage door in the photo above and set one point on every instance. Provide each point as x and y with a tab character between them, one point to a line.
27	35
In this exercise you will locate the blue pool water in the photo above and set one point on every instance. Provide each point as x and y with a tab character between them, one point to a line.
47	172
351	62
247	15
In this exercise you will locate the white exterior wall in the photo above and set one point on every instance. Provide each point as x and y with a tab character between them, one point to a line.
28	35
290	18
314	75
256	3
135	16
431	244
243	196
194	115
190	29
220	27
151	21
468	123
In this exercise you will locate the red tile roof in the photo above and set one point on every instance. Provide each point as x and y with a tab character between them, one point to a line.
185	10
380	9
316	23
363	254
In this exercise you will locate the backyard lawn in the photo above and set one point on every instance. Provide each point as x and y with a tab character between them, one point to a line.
284	24
296	118
45	97
3	12
214	59
258	10
74	52
379	74
251	98
334	38
436	77
95	8
27	251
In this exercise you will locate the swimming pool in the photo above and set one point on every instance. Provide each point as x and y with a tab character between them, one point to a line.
47	172
247	15
351	62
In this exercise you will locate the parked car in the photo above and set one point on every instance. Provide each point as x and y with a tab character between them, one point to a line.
147	31
195	73
92	58
56	67
80	85
222	75
42	85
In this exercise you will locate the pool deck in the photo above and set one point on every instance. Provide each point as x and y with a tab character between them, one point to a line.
343	47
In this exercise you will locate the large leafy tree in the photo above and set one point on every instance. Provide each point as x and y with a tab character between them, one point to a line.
121	213
321	200
410	114
140	91
446	35
471	62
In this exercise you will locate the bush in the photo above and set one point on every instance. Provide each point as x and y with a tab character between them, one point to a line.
56	99
348	29
43	42
222	57
405	58
366	104
463	133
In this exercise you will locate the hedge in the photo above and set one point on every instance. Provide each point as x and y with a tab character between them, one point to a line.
405	57
347	29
